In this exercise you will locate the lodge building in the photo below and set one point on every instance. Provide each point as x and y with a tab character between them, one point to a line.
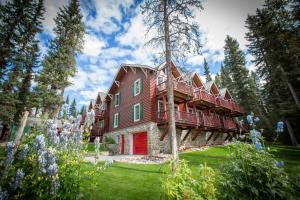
134	111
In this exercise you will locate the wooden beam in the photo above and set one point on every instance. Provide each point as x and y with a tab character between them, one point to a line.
117	83
186	135
208	139
145	72
195	136
133	69
216	136
164	133
124	68
110	96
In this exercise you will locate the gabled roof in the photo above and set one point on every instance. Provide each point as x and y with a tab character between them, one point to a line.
175	70
197	80
225	94
212	87
121	72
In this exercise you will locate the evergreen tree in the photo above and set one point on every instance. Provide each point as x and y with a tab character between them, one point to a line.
225	78
82	110
59	64
206	71
20	22
73	111
234	64
218	80
274	38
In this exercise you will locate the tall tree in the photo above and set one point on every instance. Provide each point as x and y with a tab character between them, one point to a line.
206	71
59	64
234	64
218	80
73	111
20	22
274	37
225	78
82	110
171	21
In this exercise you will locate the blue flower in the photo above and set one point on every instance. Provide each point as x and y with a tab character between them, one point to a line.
256	119
250	119
3	194
280	163
24	152
9	153
258	146
280	127
19	177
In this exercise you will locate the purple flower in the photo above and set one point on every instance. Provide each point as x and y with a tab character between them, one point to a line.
19	177
9	153
52	169
39	143
258	146
3	194
280	163
24	152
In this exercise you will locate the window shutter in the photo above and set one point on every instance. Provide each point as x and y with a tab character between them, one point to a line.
120	98
118	119
141	111
132	115
141	86
113	121
132	91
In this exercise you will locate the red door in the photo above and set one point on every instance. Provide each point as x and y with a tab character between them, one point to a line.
140	143
122	144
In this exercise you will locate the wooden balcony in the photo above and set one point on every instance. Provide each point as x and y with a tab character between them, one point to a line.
229	125
224	104
99	113
96	132
203	97
181	118
237	108
181	89
210	122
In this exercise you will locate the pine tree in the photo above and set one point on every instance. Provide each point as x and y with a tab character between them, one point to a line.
20	22
218	80
59	64
234	64
73	111
82	110
273	36
225	78
206	71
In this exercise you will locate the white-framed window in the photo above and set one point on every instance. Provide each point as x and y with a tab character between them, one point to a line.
137	87
117	99
160	106
160	79
137	112
101	124
116	120
190	110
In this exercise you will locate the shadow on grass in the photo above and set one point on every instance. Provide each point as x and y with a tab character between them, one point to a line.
159	170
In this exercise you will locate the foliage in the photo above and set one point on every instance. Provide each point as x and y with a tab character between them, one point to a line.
73	111
48	165
207	71
252	174
109	140
180	184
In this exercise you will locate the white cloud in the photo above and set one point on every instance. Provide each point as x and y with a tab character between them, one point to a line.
107	14
92	45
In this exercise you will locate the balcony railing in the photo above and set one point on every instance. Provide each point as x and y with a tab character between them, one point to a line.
225	104
229	124
180	117
238	108
204	96
99	113
181	87
210	121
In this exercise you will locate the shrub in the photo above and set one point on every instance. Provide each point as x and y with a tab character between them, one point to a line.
180	184
109	140
253	174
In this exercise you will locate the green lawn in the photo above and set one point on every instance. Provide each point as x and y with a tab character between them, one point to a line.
132	181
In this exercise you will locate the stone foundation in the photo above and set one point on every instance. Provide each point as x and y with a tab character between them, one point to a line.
155	146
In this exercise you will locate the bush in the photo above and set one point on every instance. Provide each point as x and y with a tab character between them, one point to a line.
252	174
109	140
181	184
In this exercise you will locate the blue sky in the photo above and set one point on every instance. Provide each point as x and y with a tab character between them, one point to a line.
116	34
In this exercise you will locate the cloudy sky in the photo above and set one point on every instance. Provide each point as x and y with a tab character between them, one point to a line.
116	34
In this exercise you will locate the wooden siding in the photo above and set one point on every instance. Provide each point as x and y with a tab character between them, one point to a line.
127	100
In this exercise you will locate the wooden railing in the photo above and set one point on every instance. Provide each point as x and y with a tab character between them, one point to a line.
99	113
181	87
229	124
210	121
204	96
180	117
238	108
224	103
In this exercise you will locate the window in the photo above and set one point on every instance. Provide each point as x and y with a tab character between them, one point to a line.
101	124
137	112
117	99
116	120
160	79
137	87
191	110
160	106
176	107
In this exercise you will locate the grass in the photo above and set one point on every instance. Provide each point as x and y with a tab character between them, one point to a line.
137	181
133	181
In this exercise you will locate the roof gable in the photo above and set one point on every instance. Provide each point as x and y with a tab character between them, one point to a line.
224	92
175	70
197	80
212	88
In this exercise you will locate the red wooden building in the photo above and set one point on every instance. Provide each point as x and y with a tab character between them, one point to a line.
133	111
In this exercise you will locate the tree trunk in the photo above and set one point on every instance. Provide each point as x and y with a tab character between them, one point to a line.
291	133
20	131
61	98
170	92
291	88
